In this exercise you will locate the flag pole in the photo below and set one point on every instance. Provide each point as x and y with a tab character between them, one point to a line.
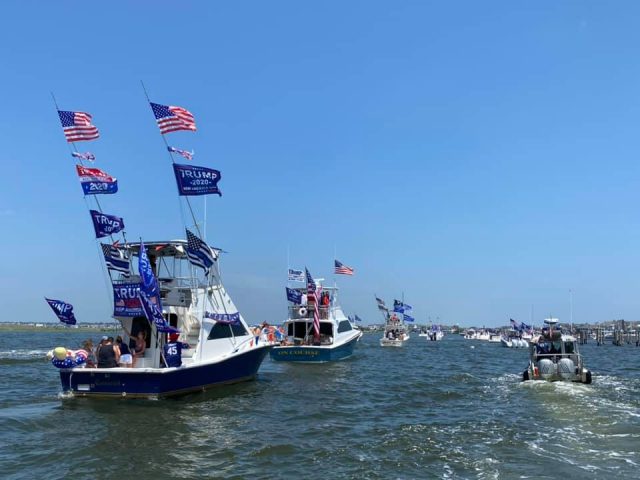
166	144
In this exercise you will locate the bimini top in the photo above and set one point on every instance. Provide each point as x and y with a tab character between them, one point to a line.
168	248
551	321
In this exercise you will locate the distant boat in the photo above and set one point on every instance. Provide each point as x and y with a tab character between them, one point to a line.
555	356
335	338
395	332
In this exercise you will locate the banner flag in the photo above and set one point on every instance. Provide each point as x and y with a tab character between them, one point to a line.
226	318
94	181
194	180
63	310
294	296
105	225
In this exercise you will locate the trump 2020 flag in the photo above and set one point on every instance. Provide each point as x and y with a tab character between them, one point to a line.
296	275
199	253
408	318
148	284
63	310
194	180
95	182
294	296
105	225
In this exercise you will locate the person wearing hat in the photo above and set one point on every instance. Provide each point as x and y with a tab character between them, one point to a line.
173	351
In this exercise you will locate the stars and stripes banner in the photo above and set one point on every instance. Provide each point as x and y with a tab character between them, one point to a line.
342	269
313	290
184	153
194	180
105	225
296	275
171	119
77	126
96	182
115	259
84	156
199	253
226	318
294	296
63	310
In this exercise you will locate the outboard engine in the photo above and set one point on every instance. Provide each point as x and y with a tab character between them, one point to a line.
546	368
566	368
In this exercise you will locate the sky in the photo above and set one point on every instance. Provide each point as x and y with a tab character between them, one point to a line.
479	158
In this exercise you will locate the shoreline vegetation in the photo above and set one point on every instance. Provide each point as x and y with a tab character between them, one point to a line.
59	327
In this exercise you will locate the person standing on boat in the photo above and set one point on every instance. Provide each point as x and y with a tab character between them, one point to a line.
173	351
126	359
108	354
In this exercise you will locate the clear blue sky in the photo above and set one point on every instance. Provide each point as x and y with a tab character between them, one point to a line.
481	157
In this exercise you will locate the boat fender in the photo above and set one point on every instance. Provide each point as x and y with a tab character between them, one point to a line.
302	311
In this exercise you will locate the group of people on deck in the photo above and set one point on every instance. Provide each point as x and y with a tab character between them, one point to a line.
110	354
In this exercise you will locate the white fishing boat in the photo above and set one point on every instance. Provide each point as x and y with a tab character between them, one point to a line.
555	356
396	332
433	334
177	317
317	330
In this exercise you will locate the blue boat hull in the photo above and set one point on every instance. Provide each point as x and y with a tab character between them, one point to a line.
310	354
132	383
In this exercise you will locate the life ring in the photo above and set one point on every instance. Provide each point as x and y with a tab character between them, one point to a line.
302	311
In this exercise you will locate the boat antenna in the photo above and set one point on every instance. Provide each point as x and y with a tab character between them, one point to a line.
570	310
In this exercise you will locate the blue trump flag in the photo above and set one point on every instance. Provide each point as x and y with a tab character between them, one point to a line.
294	296
226	318
153	311
63	310
105	225
149	284
193	180
408	318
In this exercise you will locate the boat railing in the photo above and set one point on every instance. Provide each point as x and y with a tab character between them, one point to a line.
301	312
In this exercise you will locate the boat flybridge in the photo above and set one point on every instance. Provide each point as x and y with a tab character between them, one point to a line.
335	338
554	356
218	347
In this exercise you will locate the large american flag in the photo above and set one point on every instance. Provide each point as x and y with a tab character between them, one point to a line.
343	269
77	126
312	290
172	119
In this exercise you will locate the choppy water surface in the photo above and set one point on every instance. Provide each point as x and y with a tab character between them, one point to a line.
449	409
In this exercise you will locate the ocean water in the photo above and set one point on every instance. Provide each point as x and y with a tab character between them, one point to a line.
450	409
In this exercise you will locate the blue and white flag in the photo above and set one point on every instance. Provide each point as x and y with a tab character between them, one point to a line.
153	311
199	253
408	318
84	156
184	153
149	284
296	275
105	225
294	296
226	318
96	182
63	310
357	318
115	259
514	324
193	180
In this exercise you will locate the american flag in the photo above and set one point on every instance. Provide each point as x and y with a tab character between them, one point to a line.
84	156
77	126
184	153
199	253
312	290
342	269
115	259
172	119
